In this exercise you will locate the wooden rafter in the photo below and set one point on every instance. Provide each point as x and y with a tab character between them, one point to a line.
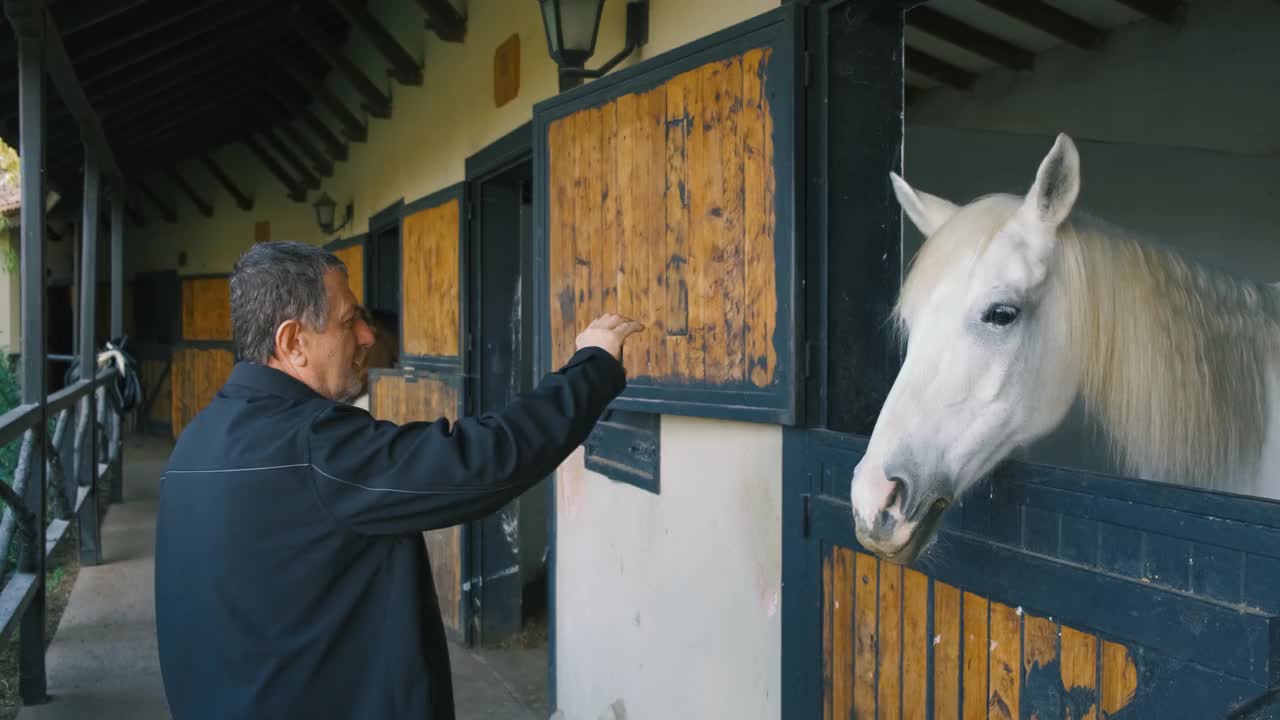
205	208
166	211
940	70
333	145
966	36
308	178
376	102
352	127
444	20
243	201
1049	19
1166	11
296	191
404	68
320	162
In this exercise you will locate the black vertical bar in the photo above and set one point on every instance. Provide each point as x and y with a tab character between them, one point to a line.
117	330
32	683
90	538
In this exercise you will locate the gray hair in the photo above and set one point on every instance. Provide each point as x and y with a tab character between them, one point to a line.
273	282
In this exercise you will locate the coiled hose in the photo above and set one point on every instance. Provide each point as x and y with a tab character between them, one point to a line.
128	385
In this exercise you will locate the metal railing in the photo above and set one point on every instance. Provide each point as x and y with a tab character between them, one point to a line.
82	453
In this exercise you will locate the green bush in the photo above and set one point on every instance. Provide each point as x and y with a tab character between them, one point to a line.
10	394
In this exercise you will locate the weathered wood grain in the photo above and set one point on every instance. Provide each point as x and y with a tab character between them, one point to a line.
976	652
206	308
889	647
946	651
353	257
1005	674
429	269
915	645
838	571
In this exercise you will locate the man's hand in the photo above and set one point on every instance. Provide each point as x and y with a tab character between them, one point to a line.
608	332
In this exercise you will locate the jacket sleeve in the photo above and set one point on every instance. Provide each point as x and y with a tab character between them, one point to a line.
376	477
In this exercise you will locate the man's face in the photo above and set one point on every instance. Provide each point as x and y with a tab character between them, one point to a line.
335	356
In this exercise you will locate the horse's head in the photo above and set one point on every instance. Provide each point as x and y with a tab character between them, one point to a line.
984	371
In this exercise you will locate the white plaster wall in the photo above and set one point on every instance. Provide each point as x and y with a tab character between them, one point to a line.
10	287
670	603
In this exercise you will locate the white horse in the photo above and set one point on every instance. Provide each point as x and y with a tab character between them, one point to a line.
1014	307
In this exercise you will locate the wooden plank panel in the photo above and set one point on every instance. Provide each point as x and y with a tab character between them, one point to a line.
353	257
838	585
670	183
197	375
428	398
889	647
429	273
1004	675
651	154
866	635
1041	682
946	652
976	652
206	308
157	383
915	645
1080	674
1119	678
758	219
563	152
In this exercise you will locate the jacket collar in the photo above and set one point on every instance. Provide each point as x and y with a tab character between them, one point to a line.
270	381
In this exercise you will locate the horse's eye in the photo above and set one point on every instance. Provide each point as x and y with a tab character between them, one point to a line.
1000	315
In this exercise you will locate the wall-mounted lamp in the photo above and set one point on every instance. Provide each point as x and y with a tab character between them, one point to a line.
571	27
324	207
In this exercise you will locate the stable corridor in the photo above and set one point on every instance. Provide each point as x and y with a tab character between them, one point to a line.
102	663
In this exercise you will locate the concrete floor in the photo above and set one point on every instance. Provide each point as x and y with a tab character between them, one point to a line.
102	663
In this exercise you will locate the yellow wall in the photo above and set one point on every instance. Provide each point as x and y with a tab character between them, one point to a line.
432	130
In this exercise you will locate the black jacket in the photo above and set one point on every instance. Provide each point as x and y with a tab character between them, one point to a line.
292	580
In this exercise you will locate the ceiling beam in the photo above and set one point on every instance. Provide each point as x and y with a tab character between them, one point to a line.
404	68
333	145
243	201
306	177
376	102
63	75
1049	19
444	20
73	18
296	192
166	212
1166	11
963	35
320	162
178	12
201	204
352	127
940	70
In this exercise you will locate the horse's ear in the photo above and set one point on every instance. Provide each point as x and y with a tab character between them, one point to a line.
928	212
1057	184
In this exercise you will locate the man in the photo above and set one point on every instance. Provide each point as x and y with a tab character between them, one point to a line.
291	577
383	353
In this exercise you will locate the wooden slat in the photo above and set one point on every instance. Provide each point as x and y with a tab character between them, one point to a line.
563	313
429	269
758	219
838	575
353	257
1080	674
889	647
633	283
976	651
1041	696
946	652
1004	675
866	635
1119	678
651	154
610	228
915	645
682	103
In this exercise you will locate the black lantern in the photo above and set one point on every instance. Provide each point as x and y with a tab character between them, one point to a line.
571	27
324	207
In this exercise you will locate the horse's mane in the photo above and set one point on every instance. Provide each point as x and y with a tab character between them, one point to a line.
1173	355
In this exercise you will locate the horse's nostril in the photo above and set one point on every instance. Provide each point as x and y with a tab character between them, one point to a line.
898	495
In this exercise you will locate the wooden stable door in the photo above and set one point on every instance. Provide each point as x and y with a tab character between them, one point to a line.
404	396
